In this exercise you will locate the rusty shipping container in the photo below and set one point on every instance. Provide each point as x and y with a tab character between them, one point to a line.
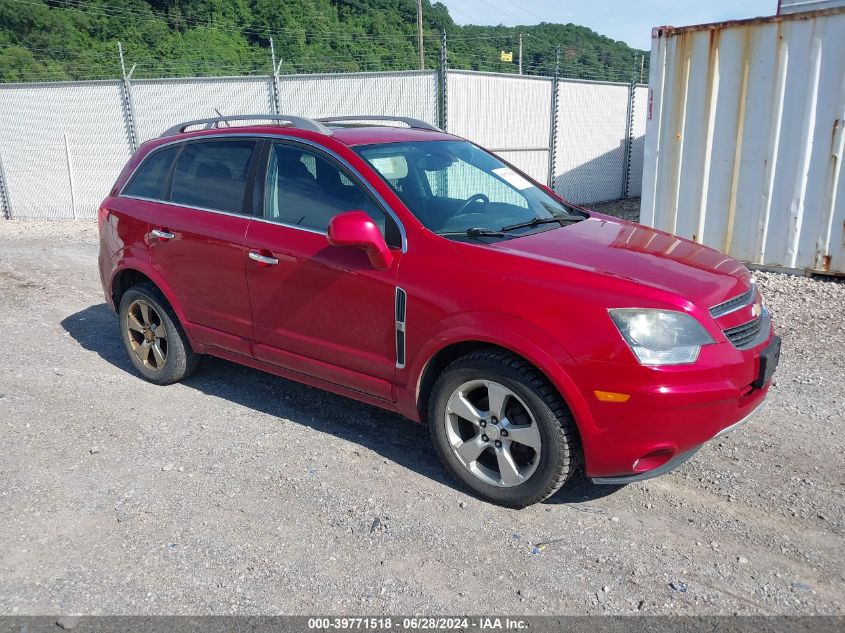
744	139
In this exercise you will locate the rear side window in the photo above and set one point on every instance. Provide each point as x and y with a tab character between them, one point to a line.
150	178
213	175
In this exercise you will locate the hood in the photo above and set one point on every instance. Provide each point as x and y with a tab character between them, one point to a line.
635	253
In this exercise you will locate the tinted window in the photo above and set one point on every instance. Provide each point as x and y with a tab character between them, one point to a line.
213	175
305	189
149	180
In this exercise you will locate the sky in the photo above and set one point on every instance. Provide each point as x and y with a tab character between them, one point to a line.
628	21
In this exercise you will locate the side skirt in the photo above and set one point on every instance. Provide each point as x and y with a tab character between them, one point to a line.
301	378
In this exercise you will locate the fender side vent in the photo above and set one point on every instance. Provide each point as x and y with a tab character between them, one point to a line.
401	303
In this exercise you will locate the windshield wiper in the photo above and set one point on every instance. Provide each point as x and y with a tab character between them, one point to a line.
537	221
475	232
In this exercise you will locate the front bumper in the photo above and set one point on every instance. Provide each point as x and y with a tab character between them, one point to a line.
672	411
676	461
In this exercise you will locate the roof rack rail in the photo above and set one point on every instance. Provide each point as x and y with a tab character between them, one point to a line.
298	122
412	123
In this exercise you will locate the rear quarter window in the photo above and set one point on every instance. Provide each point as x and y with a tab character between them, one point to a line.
150	178
213	175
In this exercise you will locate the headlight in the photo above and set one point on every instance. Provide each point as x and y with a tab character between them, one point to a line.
661	337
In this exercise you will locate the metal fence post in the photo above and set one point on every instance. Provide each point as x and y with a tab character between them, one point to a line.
553	121
70	178
128	109
276	100
5	202
629	140
442	114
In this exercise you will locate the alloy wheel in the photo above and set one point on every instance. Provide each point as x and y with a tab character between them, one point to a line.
147	334
493	433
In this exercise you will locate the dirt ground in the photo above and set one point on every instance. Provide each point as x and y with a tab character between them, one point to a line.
239	492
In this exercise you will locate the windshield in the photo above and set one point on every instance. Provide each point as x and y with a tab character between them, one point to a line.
458	190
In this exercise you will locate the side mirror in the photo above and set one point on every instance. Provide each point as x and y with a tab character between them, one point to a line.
357	229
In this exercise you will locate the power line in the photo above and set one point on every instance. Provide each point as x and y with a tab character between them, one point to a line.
484	2
528	11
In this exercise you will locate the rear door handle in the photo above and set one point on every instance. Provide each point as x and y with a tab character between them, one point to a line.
263	259
164	235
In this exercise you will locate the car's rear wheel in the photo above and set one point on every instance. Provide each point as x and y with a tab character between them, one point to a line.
501	429
154	339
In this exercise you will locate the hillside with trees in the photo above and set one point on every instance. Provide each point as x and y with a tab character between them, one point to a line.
48	40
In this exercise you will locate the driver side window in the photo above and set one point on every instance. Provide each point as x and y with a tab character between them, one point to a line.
305	189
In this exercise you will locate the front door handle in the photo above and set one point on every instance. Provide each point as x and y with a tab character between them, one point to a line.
164	235
263	259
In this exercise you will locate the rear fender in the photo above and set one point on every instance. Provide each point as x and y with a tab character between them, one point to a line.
132	263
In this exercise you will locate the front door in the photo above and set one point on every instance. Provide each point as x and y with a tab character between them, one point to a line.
318	309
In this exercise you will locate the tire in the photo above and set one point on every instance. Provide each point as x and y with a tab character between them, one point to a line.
544	457
169	357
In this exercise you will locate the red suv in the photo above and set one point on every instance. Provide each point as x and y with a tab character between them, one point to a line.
415	271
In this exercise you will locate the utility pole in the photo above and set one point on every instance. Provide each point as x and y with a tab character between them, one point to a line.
420	34
520	52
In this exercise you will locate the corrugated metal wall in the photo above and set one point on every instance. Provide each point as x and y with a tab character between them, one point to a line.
798	6
55	135
745	139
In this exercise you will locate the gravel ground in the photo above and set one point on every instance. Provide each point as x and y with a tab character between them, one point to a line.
240	492
628	209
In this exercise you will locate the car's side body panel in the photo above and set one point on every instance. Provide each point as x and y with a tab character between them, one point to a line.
322	310
124	226
305	378
205	265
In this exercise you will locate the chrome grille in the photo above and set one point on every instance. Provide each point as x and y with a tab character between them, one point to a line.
731	305
745	335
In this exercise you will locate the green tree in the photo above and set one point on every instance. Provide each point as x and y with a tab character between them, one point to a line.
77	39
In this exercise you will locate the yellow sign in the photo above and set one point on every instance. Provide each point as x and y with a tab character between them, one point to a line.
507	57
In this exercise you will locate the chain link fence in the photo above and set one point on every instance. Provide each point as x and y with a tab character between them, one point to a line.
408	93
161	103
62	145
508	115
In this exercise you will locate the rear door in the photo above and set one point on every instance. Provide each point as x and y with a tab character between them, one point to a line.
321	310
197	234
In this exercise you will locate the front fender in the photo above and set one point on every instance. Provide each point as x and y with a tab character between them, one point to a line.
511	333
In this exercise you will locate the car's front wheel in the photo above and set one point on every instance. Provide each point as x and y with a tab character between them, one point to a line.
501	429
154	339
